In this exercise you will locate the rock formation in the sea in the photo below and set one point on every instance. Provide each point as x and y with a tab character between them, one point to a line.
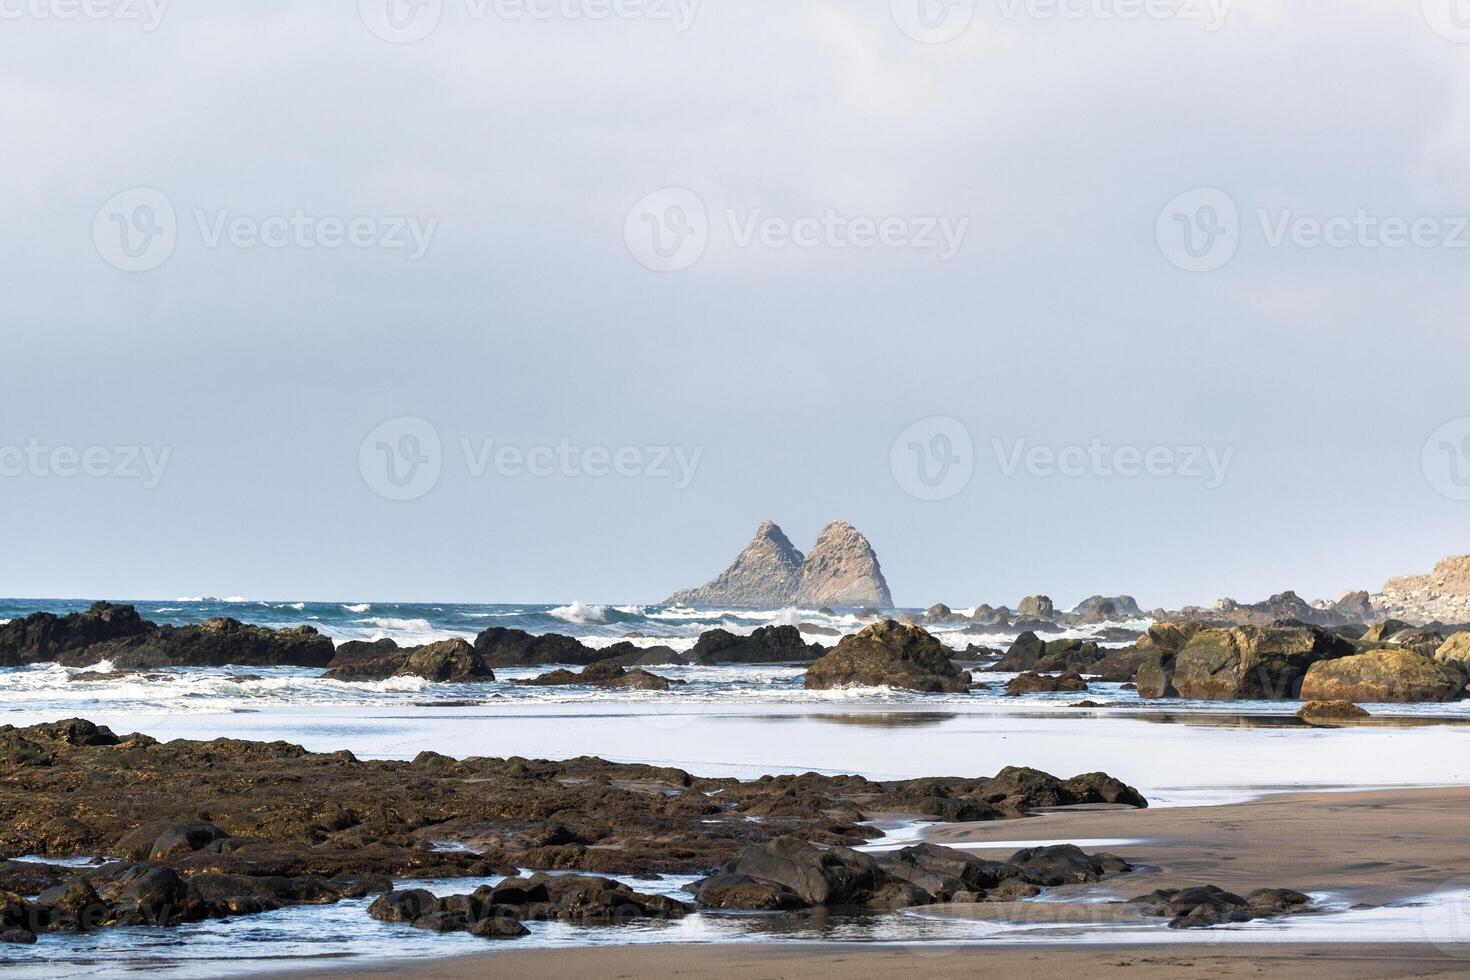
1037	607
117	633
1387	676
1030	683
767	645
1031	653
841	570
1279	608
1251	662
503	647
446	662
603	674
1441	596
889	654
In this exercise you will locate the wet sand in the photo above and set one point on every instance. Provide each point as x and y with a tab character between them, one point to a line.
1373	847
749	962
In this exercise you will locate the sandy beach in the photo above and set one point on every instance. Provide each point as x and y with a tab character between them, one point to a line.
1372	847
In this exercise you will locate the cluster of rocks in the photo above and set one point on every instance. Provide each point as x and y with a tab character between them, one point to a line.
1037	612
1354	607
1442	596
499	911
1201	907
788	873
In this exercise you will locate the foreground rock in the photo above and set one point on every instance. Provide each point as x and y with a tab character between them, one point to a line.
889	654
788	873
1389	676
841	570
1195	908
275	810
447	662
1331	711
117	633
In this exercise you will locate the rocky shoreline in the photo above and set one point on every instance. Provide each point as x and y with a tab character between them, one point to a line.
186	830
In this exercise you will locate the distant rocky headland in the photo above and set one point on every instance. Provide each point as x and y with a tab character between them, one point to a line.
841	570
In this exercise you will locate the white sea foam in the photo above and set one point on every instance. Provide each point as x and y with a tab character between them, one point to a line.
580	612
360	607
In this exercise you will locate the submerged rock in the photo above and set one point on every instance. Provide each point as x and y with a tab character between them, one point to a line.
1044	684
446	662
766	645
1195	908
603	674
1330	711
889	654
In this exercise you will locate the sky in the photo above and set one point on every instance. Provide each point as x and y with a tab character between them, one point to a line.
503	301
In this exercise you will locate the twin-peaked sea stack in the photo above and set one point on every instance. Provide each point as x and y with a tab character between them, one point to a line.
841	570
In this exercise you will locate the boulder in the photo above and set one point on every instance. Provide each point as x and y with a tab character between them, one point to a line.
1065	864
1107	609
184	838
889	654
1044	684
817	876
739	891
767	645
1248	662
1330	711
1388	676
1208	905
446	662
1037	607
502	647
1031	653
1455	653
602	674
45	637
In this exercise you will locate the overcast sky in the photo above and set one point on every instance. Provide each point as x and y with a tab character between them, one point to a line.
248	245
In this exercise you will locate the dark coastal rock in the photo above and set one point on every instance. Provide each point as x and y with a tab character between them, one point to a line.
738	891
818	876
628	655
1208	905
1355	607
1250	662
767	645
1328	712
1151	659
603	674
1065	864
1395	676
117	633
446	662
1031	653
1044	684
813	629
502	647
888	654
1106	609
